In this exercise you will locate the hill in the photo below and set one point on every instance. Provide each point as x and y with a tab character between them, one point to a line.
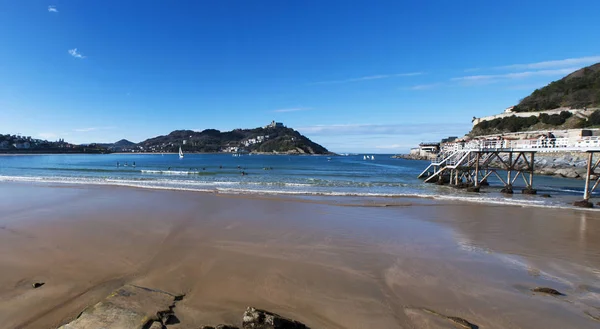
122	145
579	89
268	140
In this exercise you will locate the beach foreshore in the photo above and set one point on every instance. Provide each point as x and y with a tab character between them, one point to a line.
343	262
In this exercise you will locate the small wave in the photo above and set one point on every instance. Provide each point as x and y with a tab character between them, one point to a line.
174	172
219	187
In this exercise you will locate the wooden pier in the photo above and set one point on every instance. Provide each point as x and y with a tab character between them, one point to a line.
469	164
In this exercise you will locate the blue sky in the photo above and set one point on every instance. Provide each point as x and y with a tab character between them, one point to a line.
355	76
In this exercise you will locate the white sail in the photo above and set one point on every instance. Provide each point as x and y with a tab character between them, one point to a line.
180	153
364	157
372	157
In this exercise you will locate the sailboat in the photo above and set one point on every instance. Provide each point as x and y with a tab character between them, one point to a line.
364	157
372	157
180	153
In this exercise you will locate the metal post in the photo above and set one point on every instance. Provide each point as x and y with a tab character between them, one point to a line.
531	172
586	193
477	169
509	168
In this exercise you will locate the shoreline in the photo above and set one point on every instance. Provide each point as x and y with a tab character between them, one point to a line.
344	266
286	195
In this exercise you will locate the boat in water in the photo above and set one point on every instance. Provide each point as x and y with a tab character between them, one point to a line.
180	153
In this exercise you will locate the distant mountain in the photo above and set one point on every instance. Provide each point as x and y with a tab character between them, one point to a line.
120	146
270	139
124	142
577	90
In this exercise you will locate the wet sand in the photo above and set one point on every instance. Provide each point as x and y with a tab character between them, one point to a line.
330	263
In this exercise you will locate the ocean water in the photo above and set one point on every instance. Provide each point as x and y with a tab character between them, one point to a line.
268	174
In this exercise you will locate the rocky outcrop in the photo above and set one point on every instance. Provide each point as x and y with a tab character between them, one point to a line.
133	307
563	164
260	319
413	157
129	307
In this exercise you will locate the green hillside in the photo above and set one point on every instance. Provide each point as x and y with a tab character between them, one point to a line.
268	140
579	89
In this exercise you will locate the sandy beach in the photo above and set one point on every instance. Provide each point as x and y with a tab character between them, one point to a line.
327	262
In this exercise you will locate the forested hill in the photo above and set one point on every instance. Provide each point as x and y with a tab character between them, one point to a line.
579	89
267	140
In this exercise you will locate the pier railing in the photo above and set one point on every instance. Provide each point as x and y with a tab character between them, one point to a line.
541	145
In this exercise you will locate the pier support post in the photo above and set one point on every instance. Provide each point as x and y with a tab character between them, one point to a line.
585	203
508	185
586	193
529	189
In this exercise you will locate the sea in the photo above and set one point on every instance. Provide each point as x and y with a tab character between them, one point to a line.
346	175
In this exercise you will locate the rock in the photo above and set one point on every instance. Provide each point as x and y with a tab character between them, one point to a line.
260	319
473	189
529	191
546	196
566	172
462	322
583	204
156	325
507	190
129	307
38	284
548	291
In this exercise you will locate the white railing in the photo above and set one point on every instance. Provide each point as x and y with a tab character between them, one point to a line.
549	144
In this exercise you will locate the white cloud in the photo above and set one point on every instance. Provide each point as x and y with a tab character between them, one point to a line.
370	77
517	75
569	62
384	129
81	130
392	146
426	86
295	109
47	135
52	9
73	52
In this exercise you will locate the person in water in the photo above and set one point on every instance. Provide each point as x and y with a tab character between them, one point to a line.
134	163
117	163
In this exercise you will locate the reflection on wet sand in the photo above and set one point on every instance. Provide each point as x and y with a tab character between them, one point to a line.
424	264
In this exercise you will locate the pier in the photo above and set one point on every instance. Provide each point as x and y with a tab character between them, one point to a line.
468	164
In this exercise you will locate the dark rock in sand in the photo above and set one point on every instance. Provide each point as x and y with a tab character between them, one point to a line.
548	291
583	204
529	191
38	284
462	322
260	319
474	189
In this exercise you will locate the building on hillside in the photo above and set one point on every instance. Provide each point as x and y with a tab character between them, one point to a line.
274	124
509	109
426	149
